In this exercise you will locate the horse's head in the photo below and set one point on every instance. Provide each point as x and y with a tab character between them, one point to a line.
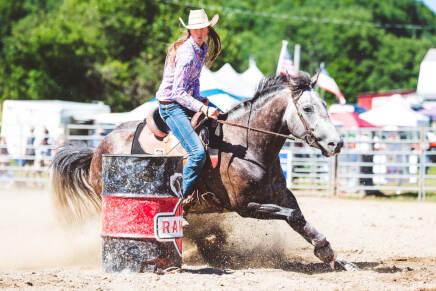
306	116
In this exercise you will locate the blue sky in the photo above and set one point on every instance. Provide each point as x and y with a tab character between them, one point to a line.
431	4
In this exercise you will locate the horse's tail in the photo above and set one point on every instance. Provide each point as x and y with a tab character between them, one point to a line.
73	197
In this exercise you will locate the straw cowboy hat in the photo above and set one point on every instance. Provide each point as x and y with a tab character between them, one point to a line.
198	19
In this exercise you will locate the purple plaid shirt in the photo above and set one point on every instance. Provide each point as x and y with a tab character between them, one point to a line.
181	82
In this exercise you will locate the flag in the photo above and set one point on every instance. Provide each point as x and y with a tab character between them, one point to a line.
326	82
285	64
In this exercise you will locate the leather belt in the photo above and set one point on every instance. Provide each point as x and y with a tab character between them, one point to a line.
166	102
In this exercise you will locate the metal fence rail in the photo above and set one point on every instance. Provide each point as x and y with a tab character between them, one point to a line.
372	160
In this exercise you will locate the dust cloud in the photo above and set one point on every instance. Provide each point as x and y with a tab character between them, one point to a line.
31	237
230	241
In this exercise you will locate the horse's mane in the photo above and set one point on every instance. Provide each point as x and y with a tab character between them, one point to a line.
270	85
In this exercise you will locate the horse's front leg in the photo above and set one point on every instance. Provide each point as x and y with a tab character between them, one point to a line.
293	216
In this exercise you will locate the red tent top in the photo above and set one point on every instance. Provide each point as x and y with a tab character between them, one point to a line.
349	120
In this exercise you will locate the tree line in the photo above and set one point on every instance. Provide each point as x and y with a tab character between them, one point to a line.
114	51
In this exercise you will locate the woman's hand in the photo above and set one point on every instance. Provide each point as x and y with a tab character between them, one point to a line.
210	112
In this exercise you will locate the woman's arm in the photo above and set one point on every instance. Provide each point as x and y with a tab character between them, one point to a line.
183	67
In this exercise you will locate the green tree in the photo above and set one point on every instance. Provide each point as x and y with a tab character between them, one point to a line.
114	51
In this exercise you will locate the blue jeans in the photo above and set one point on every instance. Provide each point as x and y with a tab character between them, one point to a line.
176	117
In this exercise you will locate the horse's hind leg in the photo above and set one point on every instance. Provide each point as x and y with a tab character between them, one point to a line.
296	220
292	214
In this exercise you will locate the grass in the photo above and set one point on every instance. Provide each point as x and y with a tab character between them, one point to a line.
408	196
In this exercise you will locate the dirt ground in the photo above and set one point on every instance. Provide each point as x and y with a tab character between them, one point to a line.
393	243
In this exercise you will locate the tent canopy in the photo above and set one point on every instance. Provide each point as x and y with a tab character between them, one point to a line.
430	112
224	88
226	80
395	112
139	113
335	108
427	72
20	115
349	120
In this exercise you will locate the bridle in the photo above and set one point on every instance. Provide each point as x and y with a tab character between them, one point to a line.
308	137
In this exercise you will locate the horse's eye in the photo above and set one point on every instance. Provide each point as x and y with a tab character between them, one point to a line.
308	109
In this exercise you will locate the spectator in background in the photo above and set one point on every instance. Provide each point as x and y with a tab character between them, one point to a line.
4	159
365	147
43	150
380	160
30	149
393	146
43	155
29	161
5	172
60	140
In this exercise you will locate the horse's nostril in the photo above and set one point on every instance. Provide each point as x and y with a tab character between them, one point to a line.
331	144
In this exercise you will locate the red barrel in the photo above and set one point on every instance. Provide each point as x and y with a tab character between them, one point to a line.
141	213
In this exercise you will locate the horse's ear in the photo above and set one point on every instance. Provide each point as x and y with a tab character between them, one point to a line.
290	79
314	79
288	76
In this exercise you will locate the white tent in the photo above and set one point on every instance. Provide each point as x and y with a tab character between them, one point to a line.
427	72
240	85
336	108
139	113
230	81
252	75
224	101
225	88
20	115
219	88
395	112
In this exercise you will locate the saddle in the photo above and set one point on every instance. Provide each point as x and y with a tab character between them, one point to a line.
158	126
160	130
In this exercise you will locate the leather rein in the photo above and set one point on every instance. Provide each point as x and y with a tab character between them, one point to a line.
309	137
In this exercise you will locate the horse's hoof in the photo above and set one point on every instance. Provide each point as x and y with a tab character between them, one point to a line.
345	266
325	254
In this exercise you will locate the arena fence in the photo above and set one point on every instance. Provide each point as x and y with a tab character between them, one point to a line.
371	161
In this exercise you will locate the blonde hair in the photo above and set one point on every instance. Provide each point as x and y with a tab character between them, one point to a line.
213	42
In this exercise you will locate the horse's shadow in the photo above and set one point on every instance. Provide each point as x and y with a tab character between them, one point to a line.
207	271
297	267
319	268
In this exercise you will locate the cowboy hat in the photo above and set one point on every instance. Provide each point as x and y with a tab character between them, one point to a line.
198	19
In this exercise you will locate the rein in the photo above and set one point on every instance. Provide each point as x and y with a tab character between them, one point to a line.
308	137
257	129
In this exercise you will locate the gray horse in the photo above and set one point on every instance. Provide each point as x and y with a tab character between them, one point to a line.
248	178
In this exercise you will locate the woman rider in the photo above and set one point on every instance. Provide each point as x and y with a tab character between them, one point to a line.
179	92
